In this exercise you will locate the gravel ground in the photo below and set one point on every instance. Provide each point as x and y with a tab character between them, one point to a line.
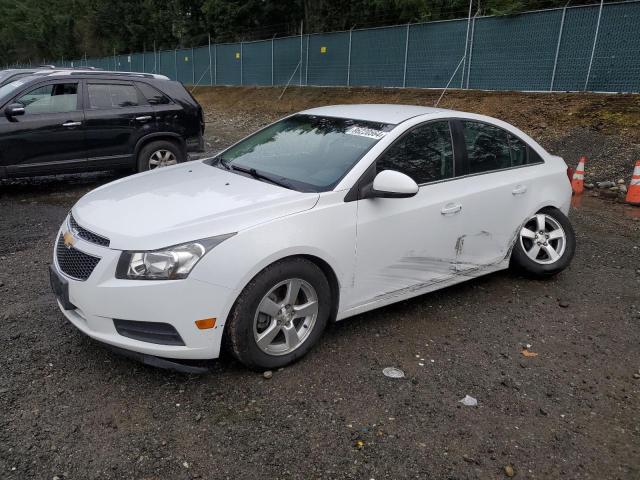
72	409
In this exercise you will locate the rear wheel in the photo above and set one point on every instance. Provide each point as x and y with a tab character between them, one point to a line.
545	245
158	154
280	314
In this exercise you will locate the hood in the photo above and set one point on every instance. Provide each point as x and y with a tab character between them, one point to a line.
186	202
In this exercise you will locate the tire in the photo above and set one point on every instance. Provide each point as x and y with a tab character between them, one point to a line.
248	321
153	154
558	236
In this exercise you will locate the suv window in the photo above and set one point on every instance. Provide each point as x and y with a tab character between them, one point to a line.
107	96
54	98
424	153
153	96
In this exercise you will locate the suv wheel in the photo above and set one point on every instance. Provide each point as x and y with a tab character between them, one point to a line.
545	245
279	315
158	154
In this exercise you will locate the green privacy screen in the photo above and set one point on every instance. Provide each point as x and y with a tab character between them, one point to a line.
570	49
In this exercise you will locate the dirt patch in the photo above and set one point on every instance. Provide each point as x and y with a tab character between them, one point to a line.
605	128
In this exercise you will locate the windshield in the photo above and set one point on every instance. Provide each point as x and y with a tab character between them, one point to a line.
5	90
306	152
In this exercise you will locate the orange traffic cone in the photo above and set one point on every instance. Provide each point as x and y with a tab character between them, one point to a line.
633	192
577	182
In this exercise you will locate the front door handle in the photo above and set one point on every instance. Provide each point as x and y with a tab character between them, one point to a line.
71	124
451	208
144	118
519	190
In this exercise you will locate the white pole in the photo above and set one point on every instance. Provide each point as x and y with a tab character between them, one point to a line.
593	49
406	56
555	61
466	43
241	64
272	60
473	29
300	62
349	60
210	70
306	64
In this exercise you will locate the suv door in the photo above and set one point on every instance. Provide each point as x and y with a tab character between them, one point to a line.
496	193
117	116
409	244
49	137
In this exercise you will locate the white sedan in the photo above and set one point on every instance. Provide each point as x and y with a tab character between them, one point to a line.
325	214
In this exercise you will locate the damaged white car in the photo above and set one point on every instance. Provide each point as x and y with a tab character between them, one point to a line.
325	214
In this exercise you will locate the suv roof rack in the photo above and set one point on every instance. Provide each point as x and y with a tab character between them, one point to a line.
108	72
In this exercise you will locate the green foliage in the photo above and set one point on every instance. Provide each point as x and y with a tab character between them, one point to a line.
38	30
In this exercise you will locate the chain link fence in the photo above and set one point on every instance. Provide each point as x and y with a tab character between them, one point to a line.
592	47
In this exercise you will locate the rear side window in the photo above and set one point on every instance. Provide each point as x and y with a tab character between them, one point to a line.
104	96
487	147
153	95
425	154
54	98
492	148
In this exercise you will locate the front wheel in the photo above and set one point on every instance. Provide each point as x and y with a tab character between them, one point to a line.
158	154
545	245
279	315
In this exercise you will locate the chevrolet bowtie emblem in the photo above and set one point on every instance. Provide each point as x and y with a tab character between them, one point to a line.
69	241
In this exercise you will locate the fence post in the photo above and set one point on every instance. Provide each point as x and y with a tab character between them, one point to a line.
593	49
473	29
193	68
555	61
175	62
215	63
406	56
301	29
210	70
272	60
306	66
241	64
144	59
466	43
349	59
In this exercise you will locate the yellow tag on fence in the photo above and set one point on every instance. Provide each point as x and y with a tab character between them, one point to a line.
323	49
237	54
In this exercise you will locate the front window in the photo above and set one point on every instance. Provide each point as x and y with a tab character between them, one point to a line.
305	152
53	98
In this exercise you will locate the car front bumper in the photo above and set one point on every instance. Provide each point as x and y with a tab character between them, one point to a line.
95	303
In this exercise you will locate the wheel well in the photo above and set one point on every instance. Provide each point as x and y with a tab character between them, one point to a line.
329	274
331	278
166	138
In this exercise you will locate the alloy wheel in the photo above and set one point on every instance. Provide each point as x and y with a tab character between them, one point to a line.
543	239
162	158
285	317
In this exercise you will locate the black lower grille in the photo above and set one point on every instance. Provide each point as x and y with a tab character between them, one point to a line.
151	332
87	235
74	263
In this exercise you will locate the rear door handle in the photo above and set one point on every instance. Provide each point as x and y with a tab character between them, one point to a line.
519	190
72	124
144	118
451	208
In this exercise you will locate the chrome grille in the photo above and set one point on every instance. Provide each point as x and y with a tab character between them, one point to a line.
74	263
86	234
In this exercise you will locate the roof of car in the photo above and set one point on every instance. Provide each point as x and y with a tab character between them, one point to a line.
373	112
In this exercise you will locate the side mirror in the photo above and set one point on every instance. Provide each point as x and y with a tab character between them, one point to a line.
392	184
14	109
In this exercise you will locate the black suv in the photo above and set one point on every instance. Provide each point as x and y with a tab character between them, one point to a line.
72	121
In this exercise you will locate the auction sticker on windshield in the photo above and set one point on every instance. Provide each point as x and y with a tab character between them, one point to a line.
365	132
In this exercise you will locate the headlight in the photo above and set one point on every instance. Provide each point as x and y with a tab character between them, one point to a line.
171	263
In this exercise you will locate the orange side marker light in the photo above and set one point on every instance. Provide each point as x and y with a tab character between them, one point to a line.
206	323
